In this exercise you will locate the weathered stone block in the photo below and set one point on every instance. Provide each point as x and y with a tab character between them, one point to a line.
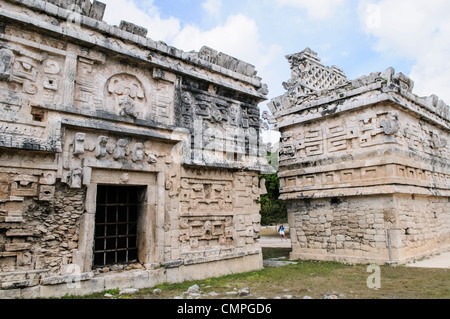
97	10
6	62
133	28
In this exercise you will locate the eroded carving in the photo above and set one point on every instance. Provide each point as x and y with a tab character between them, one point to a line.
121	150
127	94
390	125
206	232
78	143
138	152
6	62
75	177
100	148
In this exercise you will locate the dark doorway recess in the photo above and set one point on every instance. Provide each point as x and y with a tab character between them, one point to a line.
116	224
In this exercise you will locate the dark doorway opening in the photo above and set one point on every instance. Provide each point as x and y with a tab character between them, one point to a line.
116	219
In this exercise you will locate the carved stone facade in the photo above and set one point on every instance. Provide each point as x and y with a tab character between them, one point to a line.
90	112
364	165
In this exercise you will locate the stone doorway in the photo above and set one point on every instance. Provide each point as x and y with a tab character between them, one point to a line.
117	215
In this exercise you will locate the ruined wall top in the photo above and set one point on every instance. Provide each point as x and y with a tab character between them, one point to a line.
367	136
309	75
85	13
93	10
315	90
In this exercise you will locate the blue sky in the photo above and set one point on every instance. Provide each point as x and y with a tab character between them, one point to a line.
358	36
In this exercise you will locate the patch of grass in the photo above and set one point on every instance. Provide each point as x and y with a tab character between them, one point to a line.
314	279
275	252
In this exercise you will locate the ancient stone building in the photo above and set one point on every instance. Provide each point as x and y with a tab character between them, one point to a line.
124	162
364	165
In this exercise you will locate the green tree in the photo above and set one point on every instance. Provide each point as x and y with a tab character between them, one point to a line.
273	210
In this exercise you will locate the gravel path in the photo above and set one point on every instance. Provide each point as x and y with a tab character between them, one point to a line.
438	261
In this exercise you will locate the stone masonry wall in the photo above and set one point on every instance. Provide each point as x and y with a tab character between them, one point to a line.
364	164
354	229
46	236
423	224
59	228
84	105
344	229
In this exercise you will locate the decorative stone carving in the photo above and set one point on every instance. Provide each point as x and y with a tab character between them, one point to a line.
75	177
152	158
89	108
186	109
363	164
224	60
206	232
25	71
100	148
138	152
127	107
78	143
390	125
121	151
46	193
48	178
51	79
24	185
6	62
127	93
163	103
310	76
133	28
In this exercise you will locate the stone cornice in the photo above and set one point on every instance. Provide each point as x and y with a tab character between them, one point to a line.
142	48
302	104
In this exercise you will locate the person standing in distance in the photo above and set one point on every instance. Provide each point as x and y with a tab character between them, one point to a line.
281	232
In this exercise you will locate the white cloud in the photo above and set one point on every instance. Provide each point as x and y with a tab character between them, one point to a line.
316	9
417	30
238	36
212	7
158	28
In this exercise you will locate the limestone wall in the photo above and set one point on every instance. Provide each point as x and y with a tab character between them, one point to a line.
355	229
355	154
84	104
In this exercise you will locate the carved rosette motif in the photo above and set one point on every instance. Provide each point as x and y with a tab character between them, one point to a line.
126	95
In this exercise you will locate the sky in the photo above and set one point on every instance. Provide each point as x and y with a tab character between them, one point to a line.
358	36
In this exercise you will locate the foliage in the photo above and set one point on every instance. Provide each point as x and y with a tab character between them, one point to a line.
273	210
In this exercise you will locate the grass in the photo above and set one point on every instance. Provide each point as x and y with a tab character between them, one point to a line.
314	279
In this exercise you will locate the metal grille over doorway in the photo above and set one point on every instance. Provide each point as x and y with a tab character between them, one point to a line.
116	224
